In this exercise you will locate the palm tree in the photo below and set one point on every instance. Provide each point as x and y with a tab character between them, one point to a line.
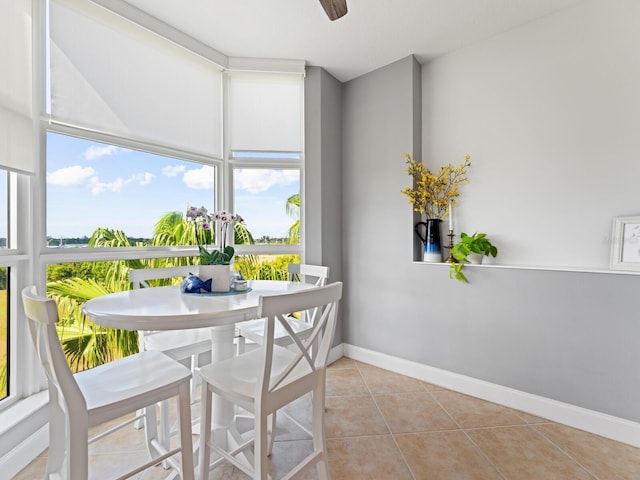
293	210
88	345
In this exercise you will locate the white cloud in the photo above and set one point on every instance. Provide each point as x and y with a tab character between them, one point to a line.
70	176
200	178
143	178
257	181
173	170
98	187
97	151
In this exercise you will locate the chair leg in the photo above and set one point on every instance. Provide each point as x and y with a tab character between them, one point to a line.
195	363
204	456
138	424
57	436
261	445
151	429
272	432
78	448
164	435
319	441
241	344
184	418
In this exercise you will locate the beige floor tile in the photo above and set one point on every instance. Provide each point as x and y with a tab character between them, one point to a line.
605	458
470	412
345	381
299	411
445	456
35	470
520	452
383	381
413	412
286	455
530	419
288	428
353	416
127	439
107	466
343	362
371	458
433	387
526	447
226	472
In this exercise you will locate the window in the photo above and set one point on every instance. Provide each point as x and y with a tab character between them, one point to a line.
266	155
4	207
143	131
4	304
92	185
4	333
269	201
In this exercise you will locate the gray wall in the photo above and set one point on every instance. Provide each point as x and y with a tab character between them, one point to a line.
323	174
549	114
569	336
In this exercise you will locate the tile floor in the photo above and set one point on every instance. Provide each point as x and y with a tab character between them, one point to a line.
381	425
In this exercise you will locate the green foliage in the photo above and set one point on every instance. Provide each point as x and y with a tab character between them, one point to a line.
216	257
468	244
3	342
269	271
87	345
253	267
293	210
3	377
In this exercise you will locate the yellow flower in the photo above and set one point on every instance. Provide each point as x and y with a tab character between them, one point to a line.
431	193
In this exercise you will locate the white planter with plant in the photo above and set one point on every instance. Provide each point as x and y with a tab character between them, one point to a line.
470	249
215	264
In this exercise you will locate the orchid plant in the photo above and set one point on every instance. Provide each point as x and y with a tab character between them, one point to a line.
207	221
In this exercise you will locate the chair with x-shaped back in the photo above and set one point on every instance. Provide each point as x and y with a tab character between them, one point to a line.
104	393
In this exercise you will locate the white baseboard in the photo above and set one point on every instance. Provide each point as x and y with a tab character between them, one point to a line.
336	353
591	421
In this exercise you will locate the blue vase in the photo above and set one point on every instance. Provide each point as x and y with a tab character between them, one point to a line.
429	234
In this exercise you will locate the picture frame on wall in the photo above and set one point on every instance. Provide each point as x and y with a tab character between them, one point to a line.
625	243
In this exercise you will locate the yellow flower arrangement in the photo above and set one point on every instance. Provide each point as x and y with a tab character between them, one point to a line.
433	193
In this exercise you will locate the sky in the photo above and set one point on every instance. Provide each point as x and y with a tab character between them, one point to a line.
91	185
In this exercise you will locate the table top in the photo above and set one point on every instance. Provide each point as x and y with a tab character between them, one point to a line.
166	308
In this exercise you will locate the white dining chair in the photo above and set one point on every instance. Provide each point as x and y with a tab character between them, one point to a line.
185	346
92	397
253	330
182	345
265	379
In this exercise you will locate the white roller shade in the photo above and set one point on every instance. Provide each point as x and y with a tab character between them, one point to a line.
16	125
266	111
114	76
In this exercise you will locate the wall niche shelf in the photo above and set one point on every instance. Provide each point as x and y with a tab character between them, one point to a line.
540	267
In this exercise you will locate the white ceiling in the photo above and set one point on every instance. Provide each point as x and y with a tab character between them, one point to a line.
374	33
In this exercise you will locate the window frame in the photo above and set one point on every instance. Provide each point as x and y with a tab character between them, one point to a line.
27	253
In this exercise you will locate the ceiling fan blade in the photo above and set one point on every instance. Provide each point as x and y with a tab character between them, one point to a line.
334	8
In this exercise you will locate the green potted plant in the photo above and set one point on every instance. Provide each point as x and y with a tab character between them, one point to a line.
470	249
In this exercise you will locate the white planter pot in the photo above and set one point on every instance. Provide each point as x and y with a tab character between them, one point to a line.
475	258
220	276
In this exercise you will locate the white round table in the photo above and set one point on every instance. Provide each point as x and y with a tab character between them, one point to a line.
166	308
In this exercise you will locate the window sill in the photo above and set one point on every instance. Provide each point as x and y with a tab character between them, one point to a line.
22	419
